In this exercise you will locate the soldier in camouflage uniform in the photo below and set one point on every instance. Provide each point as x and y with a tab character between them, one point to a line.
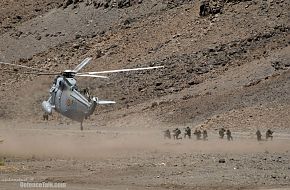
187	132
269	134
197	133
204	135
167	134
229	135
259	135
222	133
176	133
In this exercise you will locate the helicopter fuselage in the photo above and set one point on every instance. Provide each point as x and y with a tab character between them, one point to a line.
68	101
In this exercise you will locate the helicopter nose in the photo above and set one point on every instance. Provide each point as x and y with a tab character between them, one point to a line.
46	106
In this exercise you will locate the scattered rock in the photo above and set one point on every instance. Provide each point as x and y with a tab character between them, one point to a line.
273	176
38	37
120	4
281	64
76	46
210	7
67	3
253	83
158	83
77	36
187	97
17	34
99	53
194	82
154	104
18	17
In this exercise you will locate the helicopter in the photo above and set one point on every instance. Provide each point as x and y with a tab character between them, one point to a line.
65	97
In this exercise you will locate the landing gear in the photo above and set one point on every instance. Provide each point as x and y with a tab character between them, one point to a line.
45	116
82	128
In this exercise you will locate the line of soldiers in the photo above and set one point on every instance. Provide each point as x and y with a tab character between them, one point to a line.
200	134
269	134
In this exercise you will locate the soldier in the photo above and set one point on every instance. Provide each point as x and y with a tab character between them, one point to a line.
229	135
269	134
167	134
197	133
176	133
204	135
222	133
187	132
45	116
259	135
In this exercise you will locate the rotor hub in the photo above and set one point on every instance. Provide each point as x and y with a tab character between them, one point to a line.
69	73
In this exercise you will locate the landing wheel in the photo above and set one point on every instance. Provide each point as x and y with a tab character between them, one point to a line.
82	128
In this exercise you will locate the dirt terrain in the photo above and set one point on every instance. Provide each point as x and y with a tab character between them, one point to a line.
138	158
227	69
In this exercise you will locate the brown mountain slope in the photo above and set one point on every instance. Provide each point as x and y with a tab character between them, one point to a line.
15	12
196	51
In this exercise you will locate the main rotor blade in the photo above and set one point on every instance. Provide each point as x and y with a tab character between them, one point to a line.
124	70
32	73
89	75
104	102
45	73
82	64
23	66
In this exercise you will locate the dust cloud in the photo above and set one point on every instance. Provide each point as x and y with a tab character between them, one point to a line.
118	142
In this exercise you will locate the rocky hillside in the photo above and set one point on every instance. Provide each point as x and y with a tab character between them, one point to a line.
229	67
